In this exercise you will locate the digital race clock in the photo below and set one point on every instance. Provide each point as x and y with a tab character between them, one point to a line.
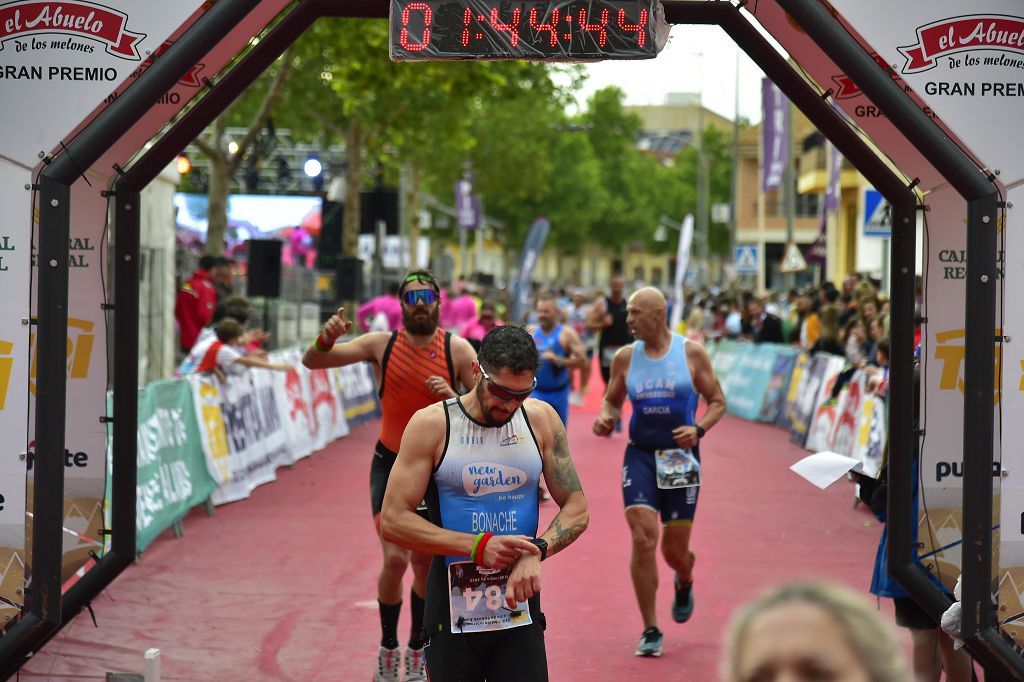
519	29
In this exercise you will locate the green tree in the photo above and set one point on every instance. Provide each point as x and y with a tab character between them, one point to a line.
718	151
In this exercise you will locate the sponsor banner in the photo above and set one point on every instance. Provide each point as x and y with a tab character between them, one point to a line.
862	112
15	275
796	379
726	354
872	433
746	382
778	384
682	264
1011	534
172	475
815	389
325	406
294	404
966	62
65	56
843	435
522	286
775	133
358	392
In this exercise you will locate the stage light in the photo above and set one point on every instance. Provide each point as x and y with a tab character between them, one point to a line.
184	165
312	167
232	147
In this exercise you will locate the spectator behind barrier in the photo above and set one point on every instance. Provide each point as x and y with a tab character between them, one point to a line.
815	631
226	355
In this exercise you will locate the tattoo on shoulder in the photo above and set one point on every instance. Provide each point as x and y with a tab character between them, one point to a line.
565	536
565	470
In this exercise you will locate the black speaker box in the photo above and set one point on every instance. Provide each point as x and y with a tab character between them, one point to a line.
264	268
349	282
328	250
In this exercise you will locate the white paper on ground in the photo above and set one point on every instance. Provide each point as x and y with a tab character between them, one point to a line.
825	468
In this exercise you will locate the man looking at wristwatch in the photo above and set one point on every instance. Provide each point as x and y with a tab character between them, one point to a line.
664	375
478	459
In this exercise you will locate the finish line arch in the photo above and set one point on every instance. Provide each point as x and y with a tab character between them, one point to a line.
923	150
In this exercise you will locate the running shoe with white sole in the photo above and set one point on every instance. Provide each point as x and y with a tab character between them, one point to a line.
388	663
650	643
415	666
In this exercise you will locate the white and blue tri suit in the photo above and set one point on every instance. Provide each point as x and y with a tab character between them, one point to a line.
487	481
663	399
553	382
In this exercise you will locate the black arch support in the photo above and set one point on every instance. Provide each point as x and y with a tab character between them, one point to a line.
48	612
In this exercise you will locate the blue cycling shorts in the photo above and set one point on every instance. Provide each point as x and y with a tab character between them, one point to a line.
640	488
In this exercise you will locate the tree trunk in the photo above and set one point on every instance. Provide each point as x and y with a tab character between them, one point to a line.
415	195
217	193
354	139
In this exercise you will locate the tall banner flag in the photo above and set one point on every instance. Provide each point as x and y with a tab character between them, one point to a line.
775	129
682	262
527	262
818	251
467	204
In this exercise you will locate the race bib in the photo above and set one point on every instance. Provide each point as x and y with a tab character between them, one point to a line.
608	354
477	599
677	468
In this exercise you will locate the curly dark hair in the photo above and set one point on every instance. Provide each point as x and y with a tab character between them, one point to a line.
509	347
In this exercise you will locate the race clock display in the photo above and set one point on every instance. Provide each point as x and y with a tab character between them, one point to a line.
560	30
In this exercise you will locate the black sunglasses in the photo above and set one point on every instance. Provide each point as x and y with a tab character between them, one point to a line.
415	296
507	394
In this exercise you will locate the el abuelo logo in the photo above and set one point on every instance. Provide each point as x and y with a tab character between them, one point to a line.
946	37
71	18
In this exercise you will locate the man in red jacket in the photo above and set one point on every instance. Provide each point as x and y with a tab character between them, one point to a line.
197	298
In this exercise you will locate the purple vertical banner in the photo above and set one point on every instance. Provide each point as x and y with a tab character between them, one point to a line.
817	252
775	128
467	204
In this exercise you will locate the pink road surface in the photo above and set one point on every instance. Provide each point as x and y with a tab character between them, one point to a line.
282	586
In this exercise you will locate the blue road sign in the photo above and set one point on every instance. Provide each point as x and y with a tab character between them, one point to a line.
876	215
746	260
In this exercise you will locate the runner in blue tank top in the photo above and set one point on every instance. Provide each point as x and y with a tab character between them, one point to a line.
560	349
478	459
664	375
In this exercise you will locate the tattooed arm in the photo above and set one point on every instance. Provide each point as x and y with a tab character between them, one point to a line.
562	481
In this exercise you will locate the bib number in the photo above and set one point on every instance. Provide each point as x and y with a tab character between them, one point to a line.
477	599
677	468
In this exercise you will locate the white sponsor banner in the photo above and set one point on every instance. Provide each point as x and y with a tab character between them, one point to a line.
846	96
15	274
1011	499
63	57
294	404
325	406
966	61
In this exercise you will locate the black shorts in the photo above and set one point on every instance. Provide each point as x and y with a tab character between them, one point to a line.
909	614
515	655
380	470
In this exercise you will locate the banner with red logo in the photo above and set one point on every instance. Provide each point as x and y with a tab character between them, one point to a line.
964	61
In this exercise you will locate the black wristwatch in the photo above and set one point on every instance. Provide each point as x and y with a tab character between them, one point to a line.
700	431
542	545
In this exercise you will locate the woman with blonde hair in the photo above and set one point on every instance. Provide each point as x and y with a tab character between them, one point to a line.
811	631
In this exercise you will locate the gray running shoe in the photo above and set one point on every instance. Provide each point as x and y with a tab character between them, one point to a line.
388	662
650	643
682	605
415	666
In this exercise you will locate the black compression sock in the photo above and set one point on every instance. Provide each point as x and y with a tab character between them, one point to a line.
416	605
389	624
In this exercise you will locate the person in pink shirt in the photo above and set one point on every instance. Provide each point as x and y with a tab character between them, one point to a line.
458	308
477	329
388	305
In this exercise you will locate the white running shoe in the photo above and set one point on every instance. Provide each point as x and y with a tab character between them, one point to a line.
388	662
415	665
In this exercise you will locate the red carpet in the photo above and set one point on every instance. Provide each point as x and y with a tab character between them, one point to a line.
283	586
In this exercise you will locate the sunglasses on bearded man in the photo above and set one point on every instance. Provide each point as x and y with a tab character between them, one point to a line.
425	296
506	394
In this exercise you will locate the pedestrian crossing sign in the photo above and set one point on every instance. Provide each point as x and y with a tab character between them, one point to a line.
793	261
745	259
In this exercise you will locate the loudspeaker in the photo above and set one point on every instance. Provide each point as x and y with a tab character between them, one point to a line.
348	285
264	268
379	204
328	250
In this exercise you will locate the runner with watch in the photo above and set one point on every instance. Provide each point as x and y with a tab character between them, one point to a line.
479	459
664	376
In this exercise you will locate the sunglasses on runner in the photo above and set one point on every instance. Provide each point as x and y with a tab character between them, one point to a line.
507	394
426	296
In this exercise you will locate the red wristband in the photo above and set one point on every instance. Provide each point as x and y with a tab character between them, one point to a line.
478	557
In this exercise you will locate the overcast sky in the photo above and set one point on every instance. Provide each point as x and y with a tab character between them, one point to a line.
696	58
